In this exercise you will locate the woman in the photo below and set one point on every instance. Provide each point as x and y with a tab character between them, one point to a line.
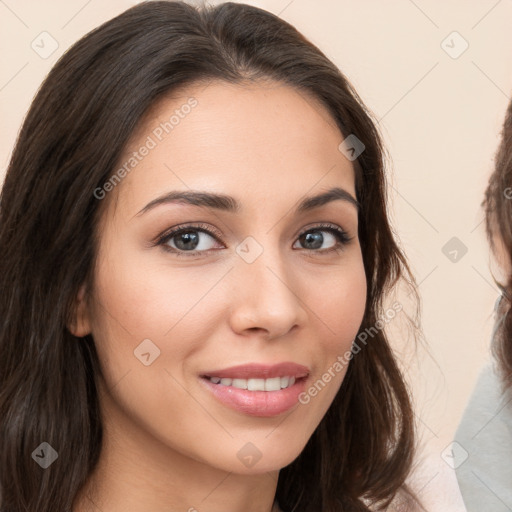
252	371
483	458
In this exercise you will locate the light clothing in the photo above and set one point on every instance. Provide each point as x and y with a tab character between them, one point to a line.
483	455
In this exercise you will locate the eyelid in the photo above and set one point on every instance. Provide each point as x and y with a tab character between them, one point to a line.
199	226
329	226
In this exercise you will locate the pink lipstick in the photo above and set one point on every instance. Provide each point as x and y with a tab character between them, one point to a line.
258	389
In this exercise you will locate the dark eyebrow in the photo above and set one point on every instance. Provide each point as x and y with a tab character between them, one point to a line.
332	194
230	204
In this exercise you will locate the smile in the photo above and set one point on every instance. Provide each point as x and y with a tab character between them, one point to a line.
273	384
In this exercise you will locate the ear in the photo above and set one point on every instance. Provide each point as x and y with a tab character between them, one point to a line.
80	323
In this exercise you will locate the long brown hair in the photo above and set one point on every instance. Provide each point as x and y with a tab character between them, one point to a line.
497	205
77	126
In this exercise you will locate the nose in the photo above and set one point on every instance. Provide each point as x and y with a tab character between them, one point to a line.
266	297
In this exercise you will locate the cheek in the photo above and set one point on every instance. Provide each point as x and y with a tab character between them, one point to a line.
147	322
338	307
138	300
340	304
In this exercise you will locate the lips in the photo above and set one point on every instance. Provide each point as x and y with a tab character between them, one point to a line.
241	387
260	371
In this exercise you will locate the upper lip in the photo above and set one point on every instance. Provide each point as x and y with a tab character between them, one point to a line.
260	371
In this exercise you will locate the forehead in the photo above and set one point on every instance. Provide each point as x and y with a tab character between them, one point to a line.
263	138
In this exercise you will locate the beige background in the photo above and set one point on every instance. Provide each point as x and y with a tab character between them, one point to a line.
440	116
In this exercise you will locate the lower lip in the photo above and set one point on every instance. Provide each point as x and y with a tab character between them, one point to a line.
257	403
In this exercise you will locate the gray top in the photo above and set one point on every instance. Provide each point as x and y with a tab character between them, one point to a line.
483	446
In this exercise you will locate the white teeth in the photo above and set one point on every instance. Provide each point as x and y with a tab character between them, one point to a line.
256	384
239	383
273	384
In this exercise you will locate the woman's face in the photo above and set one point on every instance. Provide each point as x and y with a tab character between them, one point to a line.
239	286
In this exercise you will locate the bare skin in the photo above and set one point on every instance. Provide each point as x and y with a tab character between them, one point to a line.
169	444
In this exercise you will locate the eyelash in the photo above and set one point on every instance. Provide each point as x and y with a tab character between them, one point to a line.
341	235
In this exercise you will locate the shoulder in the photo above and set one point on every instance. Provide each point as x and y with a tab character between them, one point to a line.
489	405
482	448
